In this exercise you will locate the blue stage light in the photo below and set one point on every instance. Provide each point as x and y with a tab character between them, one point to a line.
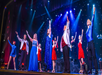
74	8
88	4
67	12
61	14
48	0
56	15
80	9
31	9
93	5
70	11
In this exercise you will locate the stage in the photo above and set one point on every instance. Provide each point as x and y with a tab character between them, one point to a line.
12	72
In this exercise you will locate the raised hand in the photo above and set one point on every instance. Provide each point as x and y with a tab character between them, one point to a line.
67	19
16	32
75	33
49	21
8	38
26	31
94	11
57	37
82	30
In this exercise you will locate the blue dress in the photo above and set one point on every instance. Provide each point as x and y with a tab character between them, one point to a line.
33	61
13	52
48	52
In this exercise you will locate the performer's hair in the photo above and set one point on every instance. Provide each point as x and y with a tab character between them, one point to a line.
36	36
89	20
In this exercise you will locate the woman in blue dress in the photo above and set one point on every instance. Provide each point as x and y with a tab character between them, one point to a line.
33	61
12	54
48	49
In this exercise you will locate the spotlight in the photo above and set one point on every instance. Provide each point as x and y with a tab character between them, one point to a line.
74	8
67	12
56	15
70	11
31	9
93	5
61	14
48	0
80	9
88	4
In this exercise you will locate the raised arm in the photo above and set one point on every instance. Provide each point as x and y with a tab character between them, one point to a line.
29	36
18	36
82	34
57	39
9	42
50	26
75	36
68	23
93	16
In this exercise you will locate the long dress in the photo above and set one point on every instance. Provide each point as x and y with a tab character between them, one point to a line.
80	51
48	52
39	54
33	61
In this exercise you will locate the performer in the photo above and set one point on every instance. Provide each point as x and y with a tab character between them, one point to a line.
73	39
48	49
73	48
24	51
12	54
39	57
81	54
65	46
33	61
54	56
91	48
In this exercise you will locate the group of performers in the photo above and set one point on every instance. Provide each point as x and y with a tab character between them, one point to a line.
50	50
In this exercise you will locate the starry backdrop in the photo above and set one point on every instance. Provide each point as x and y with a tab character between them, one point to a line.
33	17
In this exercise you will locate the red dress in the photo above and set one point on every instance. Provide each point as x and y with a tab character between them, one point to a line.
80	51
54	56
39	54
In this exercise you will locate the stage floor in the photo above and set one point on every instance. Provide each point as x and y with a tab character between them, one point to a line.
12	72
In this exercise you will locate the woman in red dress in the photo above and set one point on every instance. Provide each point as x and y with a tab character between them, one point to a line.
39	57
81	53
54	56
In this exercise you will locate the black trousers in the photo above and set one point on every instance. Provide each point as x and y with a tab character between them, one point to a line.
23	57
66	59
92	56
